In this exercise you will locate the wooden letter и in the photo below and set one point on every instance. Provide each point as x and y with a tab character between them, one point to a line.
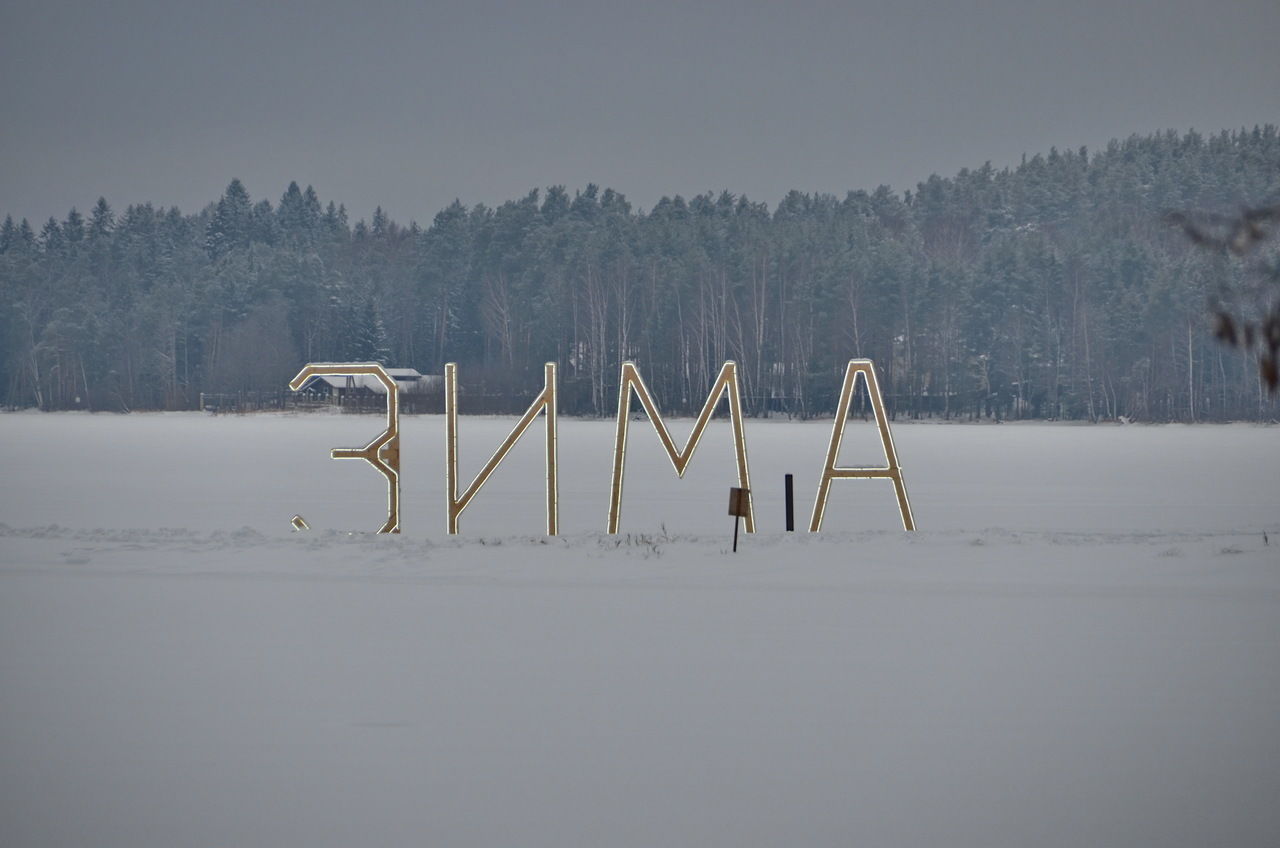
546	400
891	470
383	453
726	382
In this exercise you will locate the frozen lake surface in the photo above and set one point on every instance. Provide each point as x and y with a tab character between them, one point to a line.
1081	645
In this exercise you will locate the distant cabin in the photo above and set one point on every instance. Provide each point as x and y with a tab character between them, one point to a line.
341	389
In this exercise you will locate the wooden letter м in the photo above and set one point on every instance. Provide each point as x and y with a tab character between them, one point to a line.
727	382
383	453
544	401
891	469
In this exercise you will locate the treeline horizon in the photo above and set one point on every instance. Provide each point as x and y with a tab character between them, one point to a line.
1054	289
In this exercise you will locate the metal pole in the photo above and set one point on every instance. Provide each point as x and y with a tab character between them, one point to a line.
791	503
736	521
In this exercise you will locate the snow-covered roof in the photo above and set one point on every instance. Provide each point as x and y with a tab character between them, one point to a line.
406	377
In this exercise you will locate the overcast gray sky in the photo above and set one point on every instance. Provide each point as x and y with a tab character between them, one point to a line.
410	105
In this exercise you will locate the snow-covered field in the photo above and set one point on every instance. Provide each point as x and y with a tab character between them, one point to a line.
1081	645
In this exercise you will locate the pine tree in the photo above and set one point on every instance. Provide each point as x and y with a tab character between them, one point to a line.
371	336
73	227
26	235
292	216
51	237
8	234
231	225
101	221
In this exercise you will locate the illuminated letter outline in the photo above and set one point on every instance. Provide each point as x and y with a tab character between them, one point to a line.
726	382
544	401
891	470
383	453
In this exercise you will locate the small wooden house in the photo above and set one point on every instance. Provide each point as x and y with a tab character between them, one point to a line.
356	388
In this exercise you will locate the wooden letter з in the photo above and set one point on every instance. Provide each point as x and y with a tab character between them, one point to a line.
891	469
726	382
383	453
544	401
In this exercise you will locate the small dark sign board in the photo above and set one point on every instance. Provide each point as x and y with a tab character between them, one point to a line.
739	504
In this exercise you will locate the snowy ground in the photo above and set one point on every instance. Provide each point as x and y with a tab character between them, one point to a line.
1081	646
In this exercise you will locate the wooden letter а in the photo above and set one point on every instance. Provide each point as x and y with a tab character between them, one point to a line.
891	470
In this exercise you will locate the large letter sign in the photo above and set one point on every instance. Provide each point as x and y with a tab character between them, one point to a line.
383	453
545	401
726	382
891	469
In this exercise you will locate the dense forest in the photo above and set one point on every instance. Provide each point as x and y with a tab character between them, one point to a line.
1051	290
